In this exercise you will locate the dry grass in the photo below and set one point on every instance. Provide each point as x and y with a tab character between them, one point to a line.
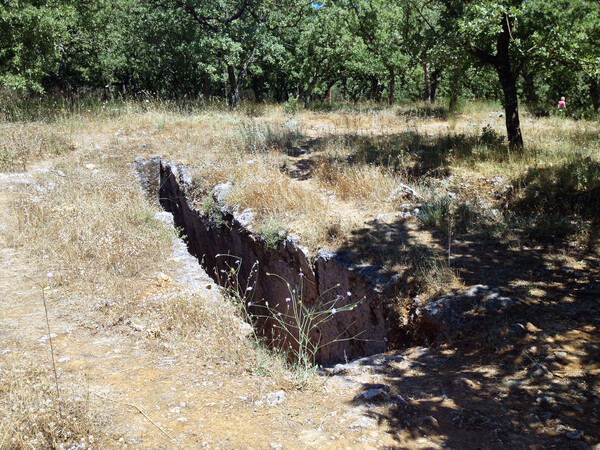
96	232
24	142
32	416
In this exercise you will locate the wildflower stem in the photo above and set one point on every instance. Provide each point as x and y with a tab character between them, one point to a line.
52	353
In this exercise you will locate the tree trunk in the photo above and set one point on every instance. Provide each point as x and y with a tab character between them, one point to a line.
436	79
530	92
427	81
233	95
595	95
454	89
206	86
376	89
392	86
309	90
509	87
511	106
258	87
508	80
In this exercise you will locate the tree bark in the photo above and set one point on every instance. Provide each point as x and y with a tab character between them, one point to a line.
530	92
236	81
233	95
454	89
436	79
509	87
511	106
206	86
375	89
258	87
595	95
427	82
508	81
309	90
392	86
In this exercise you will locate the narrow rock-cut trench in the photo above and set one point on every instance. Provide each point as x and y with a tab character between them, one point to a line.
326	281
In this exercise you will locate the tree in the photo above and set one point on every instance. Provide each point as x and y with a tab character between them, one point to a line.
513	35
27	44
377	22
239	33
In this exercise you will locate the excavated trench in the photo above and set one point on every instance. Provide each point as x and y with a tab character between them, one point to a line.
347	335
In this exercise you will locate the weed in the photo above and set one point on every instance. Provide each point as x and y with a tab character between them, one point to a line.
571	188
50	276
292	106
436	211
296	321
21	144
272	232
259	137
212	209
433	274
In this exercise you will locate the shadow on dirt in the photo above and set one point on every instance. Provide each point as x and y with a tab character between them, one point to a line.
529	378
529	393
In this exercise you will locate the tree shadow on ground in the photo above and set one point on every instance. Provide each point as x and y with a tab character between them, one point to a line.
417	154
527	378
482	390
469	396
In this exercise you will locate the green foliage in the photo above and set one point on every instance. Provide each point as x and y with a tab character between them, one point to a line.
436	211
272	232
212	209
296	53
571	189
291	106
260	137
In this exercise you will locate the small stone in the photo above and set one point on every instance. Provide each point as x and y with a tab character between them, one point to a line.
164	217
431	421
364	422
371	394
276	398
518	330
220	192
64	360
532	328
182	419
538	371
339	369
561	356
545	399
43	339
577	434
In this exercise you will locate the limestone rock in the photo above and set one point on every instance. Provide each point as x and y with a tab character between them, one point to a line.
220	192
456	312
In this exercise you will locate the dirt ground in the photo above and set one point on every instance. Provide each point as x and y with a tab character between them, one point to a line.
529	380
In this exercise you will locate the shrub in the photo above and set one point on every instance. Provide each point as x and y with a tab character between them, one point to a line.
272	231
436	211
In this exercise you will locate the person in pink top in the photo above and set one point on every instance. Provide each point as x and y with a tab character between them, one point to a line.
562	104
